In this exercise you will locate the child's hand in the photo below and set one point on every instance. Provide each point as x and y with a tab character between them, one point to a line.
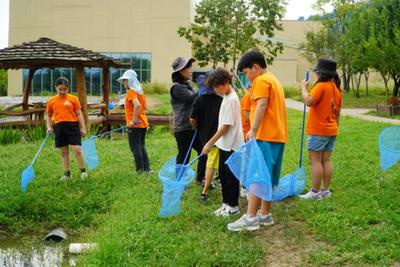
49	130
206	149
250	135
83	132
193	122
305	84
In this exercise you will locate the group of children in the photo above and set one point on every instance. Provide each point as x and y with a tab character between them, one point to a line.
224	123
65	119
261	115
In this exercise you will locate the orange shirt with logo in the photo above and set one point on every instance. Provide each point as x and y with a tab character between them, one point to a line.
129	109
63	109
273	127
245	105
322	119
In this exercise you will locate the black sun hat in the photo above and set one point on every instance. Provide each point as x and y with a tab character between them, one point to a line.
180	63
326	66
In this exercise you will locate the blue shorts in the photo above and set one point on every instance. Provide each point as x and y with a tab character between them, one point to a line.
321	143
273	156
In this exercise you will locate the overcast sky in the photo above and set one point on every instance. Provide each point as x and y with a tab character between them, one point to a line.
295	9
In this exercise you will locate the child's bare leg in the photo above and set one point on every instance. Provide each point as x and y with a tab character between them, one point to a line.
253	204
64	151
317	170
208	178
78	153
265	207
328	169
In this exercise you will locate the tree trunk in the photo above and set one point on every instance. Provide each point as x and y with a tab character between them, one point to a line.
106	90
396	86
81	87
28	86
358	83
346	84
366	75
385	80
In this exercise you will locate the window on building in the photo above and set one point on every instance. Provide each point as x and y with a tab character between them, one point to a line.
43	80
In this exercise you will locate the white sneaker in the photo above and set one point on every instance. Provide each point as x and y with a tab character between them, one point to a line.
325	193
245	224
65	178
84	175
229	211
265	220
311	195
243	192
219	211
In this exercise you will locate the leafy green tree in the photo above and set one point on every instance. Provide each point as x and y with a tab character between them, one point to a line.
224	29
3	82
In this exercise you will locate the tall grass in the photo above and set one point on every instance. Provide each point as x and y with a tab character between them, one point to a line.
10	136
155	88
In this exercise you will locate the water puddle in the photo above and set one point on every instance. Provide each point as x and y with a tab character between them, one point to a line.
33	253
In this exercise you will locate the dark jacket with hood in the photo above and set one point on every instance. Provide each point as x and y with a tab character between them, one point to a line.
182	97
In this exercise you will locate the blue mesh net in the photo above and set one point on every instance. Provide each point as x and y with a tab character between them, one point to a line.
175	178
249	167
90	153
26	177
389	147
290	185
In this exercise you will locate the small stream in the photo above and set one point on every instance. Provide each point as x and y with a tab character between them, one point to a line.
27	253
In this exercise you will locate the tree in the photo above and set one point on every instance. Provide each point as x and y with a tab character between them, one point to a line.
317	45
3	82
330	38
224	29
382	45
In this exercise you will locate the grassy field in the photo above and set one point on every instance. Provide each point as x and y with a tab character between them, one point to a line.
359	225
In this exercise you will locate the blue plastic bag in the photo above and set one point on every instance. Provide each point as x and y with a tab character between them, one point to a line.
174	177
389	147
249	167
90	153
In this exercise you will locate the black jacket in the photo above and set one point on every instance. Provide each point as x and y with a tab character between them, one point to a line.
182	97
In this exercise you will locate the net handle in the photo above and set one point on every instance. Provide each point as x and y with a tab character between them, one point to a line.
302	126
115	130
187	155
40	148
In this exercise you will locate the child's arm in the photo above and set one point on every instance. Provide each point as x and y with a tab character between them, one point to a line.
308	100
221	131
262	104
246	115
49	122
137	106
81	122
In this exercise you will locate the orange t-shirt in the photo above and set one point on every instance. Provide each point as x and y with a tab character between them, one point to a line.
129	109
322	118
63	109
273	127
245	105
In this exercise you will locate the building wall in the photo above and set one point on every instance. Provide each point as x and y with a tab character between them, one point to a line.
104	26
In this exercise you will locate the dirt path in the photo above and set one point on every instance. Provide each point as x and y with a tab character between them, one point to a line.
359	113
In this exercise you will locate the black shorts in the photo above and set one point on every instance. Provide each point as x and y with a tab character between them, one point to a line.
67	133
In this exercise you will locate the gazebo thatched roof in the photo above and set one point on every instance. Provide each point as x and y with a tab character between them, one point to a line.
48	53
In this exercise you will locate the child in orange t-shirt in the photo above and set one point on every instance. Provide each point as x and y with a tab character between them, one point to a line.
325	102
136	120
64	117
269	127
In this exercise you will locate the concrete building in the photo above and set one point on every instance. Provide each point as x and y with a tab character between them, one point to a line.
143	33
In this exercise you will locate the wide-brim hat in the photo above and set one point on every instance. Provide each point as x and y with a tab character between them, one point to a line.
180	63
326	66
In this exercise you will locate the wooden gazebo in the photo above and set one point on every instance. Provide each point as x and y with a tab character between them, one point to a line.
48	53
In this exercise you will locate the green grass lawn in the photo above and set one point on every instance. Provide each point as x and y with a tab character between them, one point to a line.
359	225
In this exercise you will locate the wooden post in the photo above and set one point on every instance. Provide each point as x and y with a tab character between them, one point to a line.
28	86
81	88
106	89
